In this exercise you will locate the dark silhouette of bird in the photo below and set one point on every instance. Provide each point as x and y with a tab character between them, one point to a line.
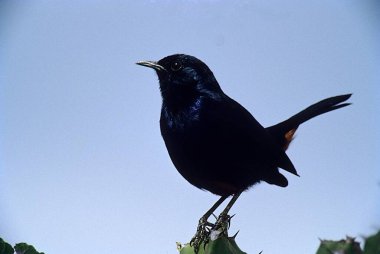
214	142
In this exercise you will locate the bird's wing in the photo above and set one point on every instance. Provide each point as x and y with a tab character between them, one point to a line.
238	129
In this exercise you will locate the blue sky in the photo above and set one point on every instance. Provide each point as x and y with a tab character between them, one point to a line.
83	166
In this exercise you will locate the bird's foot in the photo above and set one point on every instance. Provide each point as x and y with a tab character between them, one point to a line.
202	235
205	230
222	223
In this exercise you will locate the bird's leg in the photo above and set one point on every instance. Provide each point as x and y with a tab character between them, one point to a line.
223	221
203	231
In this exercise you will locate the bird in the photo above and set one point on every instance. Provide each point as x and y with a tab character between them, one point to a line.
214	142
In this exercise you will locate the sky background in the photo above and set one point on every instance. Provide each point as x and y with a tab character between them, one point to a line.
83	166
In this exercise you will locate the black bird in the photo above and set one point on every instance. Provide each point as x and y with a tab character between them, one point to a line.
214	142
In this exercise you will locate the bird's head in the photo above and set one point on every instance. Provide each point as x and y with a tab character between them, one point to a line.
183	78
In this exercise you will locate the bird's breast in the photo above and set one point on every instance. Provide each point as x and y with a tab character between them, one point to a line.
177	118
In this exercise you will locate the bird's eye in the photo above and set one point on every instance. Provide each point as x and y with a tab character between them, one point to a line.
176	66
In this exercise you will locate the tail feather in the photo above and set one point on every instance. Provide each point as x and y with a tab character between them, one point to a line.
281	131
319	108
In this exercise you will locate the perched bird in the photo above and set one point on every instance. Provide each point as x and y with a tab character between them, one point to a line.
214	142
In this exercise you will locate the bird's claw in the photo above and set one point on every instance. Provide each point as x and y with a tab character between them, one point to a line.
223	223
202	234
204	229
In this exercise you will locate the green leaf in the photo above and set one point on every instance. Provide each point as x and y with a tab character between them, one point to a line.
372	244
348	246
222	245
23	248
5	248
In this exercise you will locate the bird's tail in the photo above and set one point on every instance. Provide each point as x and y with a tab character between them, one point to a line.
283	132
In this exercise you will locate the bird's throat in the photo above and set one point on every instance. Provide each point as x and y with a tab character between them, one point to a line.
177	100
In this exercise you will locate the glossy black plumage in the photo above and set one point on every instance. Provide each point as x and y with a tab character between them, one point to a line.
213	141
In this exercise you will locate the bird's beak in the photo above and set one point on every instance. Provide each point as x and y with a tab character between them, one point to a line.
151	64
